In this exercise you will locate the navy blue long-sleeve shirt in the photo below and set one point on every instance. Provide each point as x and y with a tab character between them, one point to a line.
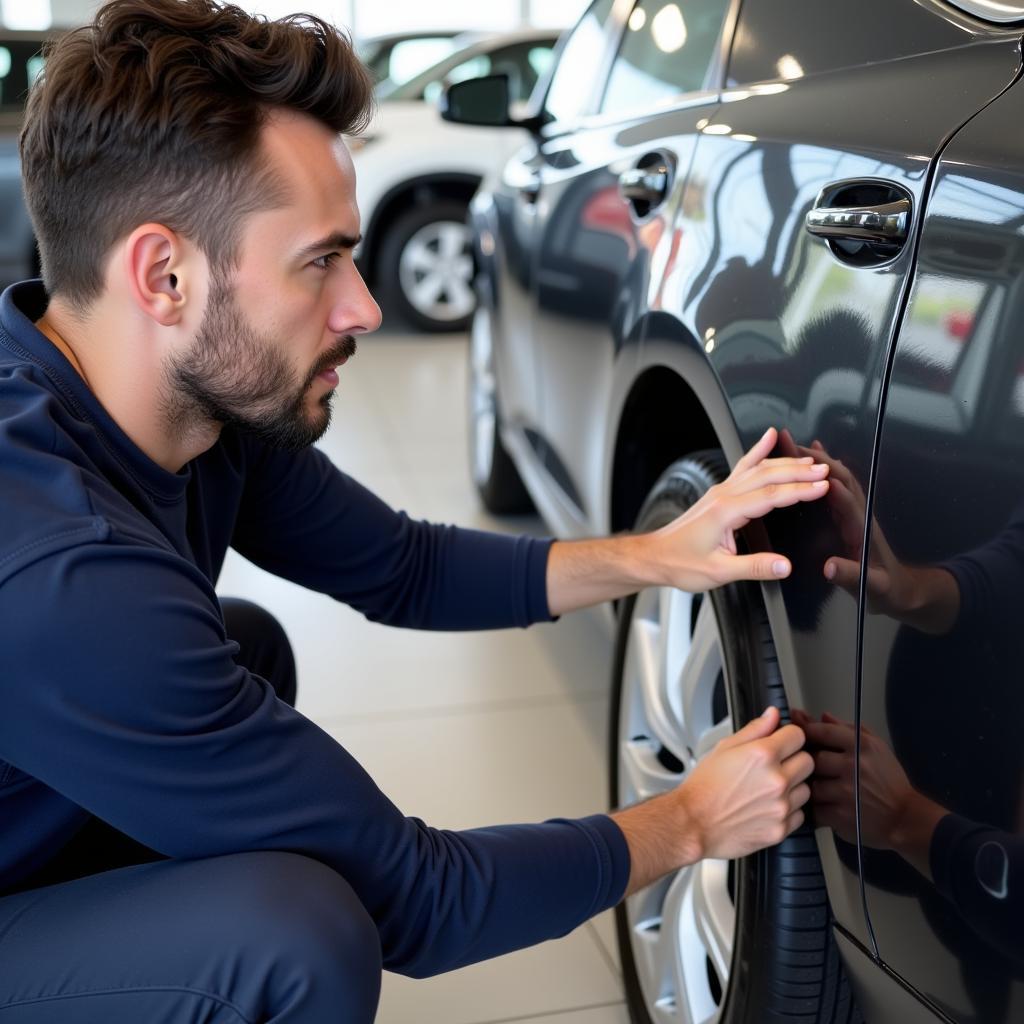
120	698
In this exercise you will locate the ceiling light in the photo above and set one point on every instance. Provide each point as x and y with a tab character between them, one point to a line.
669	29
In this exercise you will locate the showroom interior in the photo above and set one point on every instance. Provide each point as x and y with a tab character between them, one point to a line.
462	730
650	560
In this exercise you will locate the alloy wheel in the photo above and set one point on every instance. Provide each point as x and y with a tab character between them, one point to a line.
436	271
674	708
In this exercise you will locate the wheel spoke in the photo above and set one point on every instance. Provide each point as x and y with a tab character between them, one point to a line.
648	641
419	259
461	299
646	775
717	732
698	679
452	239
426	293
715	914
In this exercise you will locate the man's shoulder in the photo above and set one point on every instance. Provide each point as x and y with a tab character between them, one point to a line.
45	503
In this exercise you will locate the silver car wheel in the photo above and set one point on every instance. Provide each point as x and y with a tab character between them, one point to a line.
435	271
482	398
674	709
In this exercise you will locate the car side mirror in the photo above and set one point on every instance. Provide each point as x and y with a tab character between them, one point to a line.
483	101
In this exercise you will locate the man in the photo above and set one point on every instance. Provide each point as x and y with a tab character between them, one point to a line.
177	842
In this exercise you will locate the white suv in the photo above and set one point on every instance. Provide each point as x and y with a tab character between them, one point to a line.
416	174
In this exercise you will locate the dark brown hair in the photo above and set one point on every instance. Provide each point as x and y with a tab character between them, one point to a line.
153	113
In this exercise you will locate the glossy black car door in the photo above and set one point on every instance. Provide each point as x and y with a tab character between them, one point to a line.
832	107
942	801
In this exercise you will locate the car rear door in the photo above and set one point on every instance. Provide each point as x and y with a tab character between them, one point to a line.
604	196
941	773
834	111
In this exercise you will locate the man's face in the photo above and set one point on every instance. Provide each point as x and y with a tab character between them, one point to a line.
275	330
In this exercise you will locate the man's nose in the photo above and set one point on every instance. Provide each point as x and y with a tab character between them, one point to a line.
355	310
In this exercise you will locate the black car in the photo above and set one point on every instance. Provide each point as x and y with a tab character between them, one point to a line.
807	214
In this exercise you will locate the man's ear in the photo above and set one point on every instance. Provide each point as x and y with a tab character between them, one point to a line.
154	256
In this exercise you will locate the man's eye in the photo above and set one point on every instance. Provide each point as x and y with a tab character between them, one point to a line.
324	262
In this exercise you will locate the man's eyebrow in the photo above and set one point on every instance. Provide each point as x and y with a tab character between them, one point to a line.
335	240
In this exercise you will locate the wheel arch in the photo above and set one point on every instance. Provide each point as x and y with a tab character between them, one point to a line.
674	405
401	197
674	402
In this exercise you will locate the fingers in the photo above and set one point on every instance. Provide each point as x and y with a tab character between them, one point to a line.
798	796
740	509
829	764
798	768
776	471
794	821
760	727
763	566
843	572
785	742
761	450
831	736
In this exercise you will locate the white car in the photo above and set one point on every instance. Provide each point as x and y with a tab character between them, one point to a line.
415	176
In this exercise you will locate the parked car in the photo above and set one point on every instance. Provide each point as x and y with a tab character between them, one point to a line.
20	61
415	176
806	215
396	57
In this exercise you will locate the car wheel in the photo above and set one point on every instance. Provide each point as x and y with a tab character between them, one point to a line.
494	473
426	266
721	942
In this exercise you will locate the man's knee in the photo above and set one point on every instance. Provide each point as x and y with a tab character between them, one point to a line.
323	944
264	648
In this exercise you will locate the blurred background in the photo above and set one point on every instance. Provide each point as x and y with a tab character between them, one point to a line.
360	17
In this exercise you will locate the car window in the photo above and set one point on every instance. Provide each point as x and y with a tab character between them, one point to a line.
804	37
411	56
666	51
573	81
522	62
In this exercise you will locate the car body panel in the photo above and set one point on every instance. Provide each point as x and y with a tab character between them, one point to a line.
797	337
949	489
726	291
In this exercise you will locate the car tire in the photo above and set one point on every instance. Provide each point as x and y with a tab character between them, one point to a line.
494	473
426	266
737	942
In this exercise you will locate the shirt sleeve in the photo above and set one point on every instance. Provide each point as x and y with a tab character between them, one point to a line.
301	518
120	692
991	580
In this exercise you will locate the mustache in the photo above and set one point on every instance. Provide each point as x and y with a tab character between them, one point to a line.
345	349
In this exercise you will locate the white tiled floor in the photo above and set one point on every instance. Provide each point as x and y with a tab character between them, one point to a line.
465	729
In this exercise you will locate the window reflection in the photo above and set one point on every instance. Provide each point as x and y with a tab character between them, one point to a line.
663	54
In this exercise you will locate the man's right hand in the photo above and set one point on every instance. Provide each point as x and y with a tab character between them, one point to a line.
748	793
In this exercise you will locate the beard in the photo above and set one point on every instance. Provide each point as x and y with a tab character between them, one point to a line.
234	376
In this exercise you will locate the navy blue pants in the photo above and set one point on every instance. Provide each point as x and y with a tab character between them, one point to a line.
112	933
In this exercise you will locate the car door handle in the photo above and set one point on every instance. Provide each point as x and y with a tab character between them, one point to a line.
644	187
887	222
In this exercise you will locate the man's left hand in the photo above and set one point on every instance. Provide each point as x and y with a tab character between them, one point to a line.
697	551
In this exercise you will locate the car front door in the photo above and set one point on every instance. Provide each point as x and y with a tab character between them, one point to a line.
833	119
942	765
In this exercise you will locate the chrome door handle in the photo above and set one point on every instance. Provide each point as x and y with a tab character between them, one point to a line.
888	222
646	186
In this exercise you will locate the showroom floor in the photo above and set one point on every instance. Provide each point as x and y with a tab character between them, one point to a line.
465	729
